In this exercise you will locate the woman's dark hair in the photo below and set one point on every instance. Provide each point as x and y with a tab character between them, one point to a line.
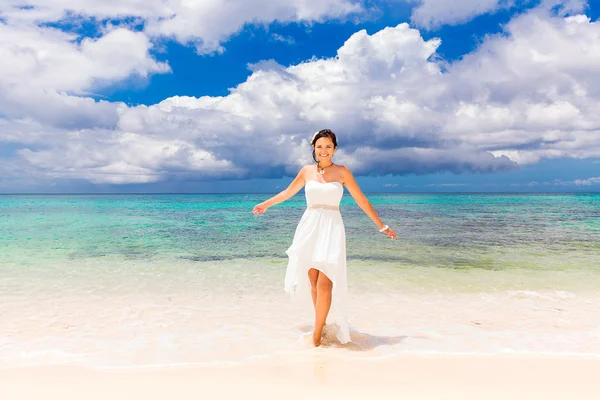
323	133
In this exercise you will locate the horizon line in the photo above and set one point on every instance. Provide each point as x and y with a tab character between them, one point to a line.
216	193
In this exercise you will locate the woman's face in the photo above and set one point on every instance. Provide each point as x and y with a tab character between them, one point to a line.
324	150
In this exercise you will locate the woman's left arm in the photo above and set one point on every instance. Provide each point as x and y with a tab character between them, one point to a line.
364	203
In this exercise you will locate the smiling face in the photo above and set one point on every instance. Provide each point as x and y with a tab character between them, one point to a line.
324	150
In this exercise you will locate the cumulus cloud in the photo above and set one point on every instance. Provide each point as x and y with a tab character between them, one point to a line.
47	74
426	160
374	85
203	23
43	69
528	94
102	156
535	90
432	14
49	58
56	10
374	91
209	23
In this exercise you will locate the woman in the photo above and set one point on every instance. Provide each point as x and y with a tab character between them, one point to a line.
317	256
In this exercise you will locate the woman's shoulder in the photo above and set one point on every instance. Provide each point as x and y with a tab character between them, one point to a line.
342	168
306	169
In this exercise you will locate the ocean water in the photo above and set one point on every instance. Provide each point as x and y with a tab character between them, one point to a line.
137	280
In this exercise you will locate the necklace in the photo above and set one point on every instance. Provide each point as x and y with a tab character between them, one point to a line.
321	170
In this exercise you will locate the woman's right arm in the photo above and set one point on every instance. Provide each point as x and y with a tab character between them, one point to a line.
285	194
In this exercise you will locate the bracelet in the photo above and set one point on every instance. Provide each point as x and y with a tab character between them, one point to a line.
385	228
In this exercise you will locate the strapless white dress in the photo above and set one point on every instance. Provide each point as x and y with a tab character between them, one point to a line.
320	243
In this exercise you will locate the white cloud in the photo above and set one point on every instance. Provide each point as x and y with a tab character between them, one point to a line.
532	93
50	109
209	23
519	156
44	69
285	39
587	182
204	23
432	14
565	7
48	58
116	157
574	183
55	10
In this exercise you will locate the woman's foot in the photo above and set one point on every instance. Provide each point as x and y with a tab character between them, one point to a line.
317	338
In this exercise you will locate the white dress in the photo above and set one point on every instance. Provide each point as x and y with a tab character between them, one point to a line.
320	243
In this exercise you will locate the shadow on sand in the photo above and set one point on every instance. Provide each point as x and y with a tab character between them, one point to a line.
360	341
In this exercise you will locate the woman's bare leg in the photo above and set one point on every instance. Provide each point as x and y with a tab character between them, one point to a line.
313	275
323	303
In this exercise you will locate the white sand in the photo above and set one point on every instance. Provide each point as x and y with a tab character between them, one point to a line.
320	376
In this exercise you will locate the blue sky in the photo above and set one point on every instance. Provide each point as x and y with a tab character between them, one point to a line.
222	96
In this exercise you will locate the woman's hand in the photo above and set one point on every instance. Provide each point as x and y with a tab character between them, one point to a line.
259	209
390	232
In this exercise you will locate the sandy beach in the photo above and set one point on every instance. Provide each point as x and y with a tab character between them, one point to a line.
320	376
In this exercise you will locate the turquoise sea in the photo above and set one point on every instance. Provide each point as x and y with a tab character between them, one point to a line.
142	279
455	231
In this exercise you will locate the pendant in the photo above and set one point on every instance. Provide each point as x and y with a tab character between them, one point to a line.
322	171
